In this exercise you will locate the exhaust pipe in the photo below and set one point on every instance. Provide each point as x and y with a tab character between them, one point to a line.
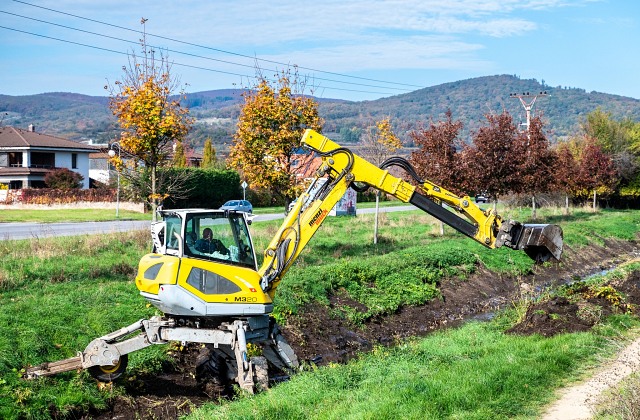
539	241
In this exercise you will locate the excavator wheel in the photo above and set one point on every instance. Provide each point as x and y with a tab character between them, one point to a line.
211	371
260	373
110	373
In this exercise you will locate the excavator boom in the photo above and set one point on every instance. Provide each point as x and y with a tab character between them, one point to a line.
342	168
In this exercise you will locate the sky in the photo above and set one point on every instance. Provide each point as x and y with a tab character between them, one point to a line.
347	49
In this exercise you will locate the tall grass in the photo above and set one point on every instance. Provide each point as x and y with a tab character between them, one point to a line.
57	295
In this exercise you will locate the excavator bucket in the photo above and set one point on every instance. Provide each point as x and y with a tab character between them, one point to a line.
541	242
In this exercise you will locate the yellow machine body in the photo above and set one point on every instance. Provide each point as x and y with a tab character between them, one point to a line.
190	277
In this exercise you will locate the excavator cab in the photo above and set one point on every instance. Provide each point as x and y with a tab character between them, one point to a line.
211	235
203	264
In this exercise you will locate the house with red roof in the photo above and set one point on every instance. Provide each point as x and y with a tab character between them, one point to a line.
26	157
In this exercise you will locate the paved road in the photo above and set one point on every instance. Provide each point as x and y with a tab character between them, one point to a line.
10	231
39	230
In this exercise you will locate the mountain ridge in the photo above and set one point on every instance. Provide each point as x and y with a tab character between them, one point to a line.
80	117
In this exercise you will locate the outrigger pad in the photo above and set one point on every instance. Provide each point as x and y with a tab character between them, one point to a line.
541	242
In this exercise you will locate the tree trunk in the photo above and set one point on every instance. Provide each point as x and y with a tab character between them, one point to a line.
154	203
441	228
594	200
566	204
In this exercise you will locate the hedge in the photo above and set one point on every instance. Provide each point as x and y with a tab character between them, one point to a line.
208	188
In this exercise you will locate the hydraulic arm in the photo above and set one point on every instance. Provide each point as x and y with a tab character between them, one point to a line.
343	169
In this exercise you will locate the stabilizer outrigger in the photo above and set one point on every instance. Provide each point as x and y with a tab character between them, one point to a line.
106	357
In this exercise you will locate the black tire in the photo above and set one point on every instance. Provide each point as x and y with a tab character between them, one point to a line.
211	368
112	372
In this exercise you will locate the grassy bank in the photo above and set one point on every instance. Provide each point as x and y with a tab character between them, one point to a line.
68	215
57	294
474	372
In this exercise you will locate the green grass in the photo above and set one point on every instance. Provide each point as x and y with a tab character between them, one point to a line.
57	294
474	372
101	215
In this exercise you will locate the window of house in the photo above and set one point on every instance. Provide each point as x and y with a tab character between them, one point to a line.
15	159
43	160
74	161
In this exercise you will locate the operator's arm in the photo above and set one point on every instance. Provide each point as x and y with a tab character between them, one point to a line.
342	168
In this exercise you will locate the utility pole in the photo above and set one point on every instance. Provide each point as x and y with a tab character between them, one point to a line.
527	106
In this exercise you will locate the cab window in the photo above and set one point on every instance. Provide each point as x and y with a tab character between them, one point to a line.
173	226
216	237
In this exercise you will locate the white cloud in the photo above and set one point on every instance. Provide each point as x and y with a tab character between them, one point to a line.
414	52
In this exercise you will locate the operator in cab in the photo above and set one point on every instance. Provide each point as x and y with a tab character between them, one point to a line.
209	245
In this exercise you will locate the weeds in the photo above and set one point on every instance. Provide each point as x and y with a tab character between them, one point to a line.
622	402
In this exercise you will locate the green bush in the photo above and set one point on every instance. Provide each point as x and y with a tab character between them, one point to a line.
208	188
382	283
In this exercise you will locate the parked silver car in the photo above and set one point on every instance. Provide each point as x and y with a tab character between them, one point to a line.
238	205
482	197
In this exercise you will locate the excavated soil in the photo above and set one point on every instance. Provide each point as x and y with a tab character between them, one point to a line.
316	335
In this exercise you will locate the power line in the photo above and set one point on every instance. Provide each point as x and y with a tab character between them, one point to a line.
216	49
188	54
173	63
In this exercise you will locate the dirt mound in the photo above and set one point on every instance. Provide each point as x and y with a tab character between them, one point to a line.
582	310
316	335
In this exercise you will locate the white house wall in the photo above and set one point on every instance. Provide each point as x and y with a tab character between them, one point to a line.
63	160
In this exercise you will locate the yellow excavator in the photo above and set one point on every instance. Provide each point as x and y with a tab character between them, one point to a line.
203	273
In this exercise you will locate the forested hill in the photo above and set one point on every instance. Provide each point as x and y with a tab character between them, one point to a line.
79	117
470	100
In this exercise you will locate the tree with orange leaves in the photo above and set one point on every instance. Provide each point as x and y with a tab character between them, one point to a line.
151	120
270	127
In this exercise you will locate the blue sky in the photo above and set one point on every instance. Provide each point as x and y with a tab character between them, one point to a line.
356	50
